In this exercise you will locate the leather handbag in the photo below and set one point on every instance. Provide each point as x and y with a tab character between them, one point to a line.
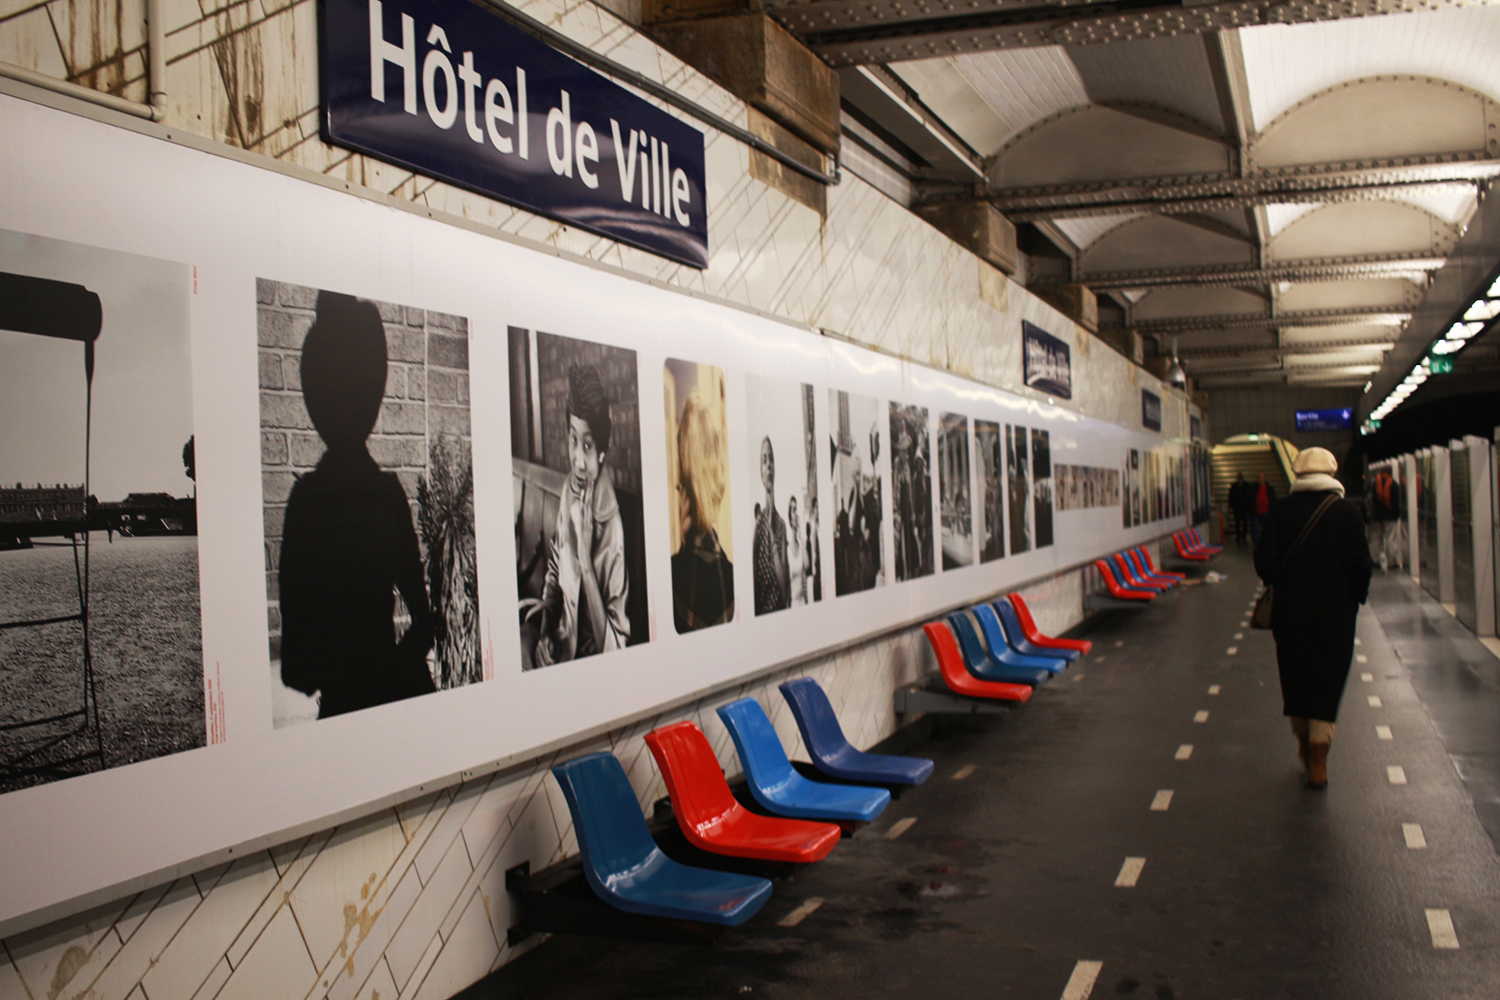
1261	616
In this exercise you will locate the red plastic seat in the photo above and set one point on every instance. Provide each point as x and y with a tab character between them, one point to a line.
710	817
1145	555
957	676
1116	589
1185	549
1035	636
1129	578
1197	537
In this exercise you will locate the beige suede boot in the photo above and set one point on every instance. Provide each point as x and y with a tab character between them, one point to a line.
1317	765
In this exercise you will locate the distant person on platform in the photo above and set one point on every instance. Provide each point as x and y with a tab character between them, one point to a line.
348	545
1241	506
1262	499
1385	511
1320	585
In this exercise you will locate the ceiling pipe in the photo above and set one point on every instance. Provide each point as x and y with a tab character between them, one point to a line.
156	58
156	73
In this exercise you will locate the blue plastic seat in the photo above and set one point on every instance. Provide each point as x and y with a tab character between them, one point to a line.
778	787
1138	567
996	638
1010	623
831	751
626	868
1012	668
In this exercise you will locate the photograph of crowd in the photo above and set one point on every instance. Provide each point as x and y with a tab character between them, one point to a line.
101	655
859	563
911	478
1041	485
698	495
372	574
576	460
1018	475
1080	487
787	551
955	521
990	451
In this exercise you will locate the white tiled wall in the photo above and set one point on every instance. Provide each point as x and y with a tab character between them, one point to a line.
410	901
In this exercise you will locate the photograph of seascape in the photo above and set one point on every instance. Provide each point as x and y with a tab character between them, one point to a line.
101	660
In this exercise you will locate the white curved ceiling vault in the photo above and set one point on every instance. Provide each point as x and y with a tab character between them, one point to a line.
1274	196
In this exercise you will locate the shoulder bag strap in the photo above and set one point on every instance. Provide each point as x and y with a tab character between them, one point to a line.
1306	530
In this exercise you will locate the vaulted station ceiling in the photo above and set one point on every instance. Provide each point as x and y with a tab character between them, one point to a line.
1271	184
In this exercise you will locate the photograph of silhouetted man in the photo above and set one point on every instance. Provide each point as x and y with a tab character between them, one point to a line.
582	609
348	546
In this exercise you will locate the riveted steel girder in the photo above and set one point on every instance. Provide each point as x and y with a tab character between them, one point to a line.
1319	269
1198	193
860	32
1302	347
1356	316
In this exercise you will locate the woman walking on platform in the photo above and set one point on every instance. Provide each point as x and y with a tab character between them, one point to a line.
1313	551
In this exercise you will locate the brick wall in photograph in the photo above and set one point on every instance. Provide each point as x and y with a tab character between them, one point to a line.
426	394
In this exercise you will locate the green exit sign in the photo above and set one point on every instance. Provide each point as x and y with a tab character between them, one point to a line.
1440	364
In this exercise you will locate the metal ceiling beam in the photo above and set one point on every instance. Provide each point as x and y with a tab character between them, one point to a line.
1199	193
1353	316
1306	347
864	32
892	105
1250	379
1358	267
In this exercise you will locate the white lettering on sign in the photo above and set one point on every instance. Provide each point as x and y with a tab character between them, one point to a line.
449	87
624	159
403	55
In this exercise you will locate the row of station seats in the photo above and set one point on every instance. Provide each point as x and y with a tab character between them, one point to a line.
1132	575
1190	545
1012	659
992	652
802	820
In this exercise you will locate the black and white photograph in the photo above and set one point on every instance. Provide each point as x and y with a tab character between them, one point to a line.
1156	499
1130	501
859	562
101	651
1081	487
911	485
782	439
1018	476
989	450
575	429
955	515
698	495
1041	486
368	477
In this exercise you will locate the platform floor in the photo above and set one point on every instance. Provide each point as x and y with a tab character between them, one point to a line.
1000	877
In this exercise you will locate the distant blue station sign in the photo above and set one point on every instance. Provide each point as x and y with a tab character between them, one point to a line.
447	89
1325	420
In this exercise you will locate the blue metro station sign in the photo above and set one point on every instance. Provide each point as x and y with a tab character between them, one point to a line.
447	89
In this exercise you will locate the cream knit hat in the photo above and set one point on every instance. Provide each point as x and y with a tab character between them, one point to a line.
1315	460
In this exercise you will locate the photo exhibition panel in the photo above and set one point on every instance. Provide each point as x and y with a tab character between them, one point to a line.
290	471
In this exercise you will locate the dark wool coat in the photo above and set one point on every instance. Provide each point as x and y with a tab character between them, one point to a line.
1317	598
